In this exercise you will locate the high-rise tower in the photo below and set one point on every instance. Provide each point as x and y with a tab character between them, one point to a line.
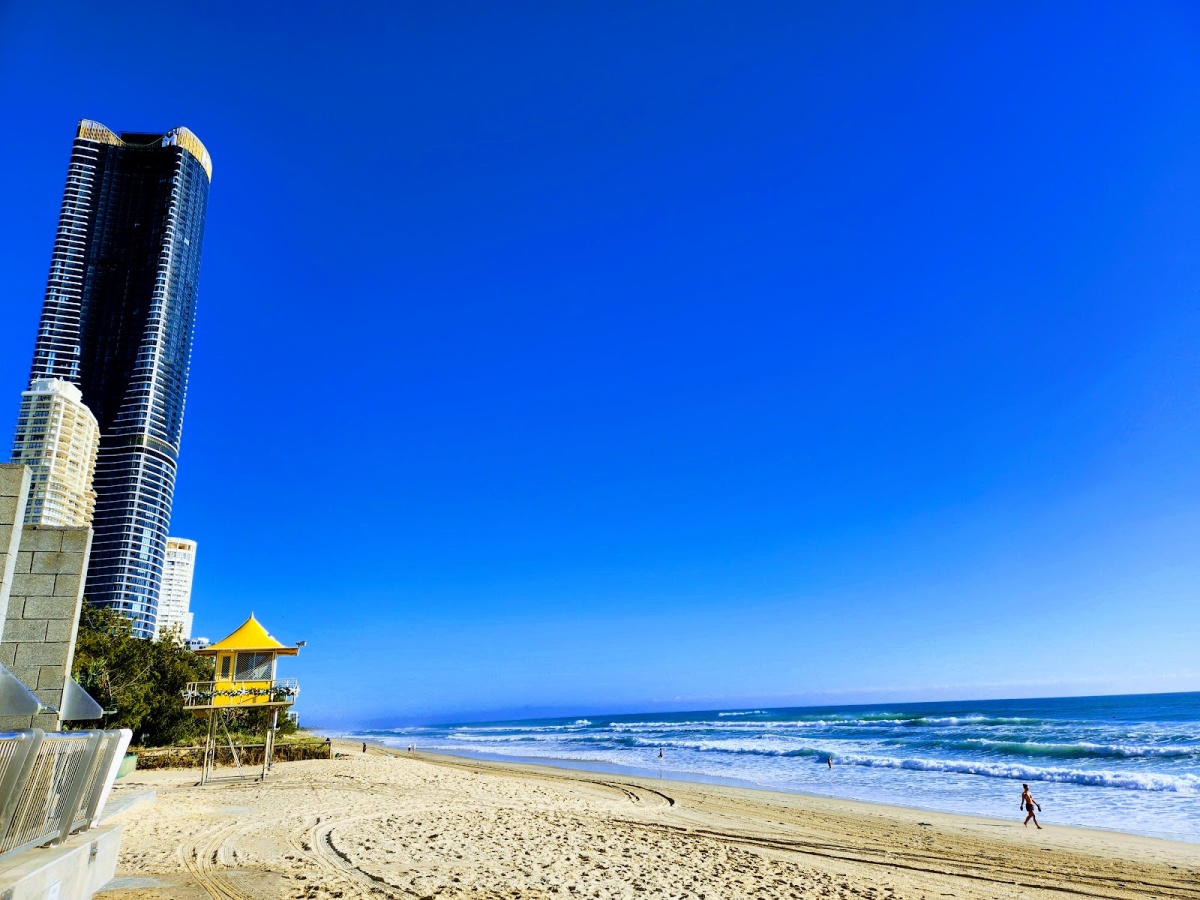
118	319
175	596
57	437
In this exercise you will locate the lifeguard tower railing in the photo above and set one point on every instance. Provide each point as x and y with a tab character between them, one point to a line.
53	785
234	694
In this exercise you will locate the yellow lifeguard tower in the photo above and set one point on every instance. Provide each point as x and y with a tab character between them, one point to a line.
244	678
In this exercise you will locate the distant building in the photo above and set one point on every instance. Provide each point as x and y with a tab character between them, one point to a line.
175	596
57	438
197	643
118	320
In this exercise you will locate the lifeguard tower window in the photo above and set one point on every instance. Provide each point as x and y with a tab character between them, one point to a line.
225	661
253	666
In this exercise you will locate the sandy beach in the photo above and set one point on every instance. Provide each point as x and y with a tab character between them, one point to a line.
390	824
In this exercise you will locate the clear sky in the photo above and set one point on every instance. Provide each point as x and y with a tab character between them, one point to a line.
619	356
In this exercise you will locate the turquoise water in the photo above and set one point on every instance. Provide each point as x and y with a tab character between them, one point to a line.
1127	763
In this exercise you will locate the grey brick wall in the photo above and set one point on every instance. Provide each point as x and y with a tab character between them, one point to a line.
38	641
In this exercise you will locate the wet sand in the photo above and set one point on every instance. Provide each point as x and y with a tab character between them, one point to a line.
400	825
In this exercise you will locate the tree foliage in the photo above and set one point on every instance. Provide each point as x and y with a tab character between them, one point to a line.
140	680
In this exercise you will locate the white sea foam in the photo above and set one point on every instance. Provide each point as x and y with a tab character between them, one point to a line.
938	721
751	712
498	738
1182	784
723	721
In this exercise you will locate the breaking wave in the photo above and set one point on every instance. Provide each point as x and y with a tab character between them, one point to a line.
1182	784
752	712
1077	750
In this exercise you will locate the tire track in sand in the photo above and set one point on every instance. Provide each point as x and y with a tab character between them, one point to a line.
334	860
934	865
200	858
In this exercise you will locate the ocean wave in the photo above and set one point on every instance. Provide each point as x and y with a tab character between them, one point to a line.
1185	784
1182	784
751	712
921	720
952	721
881	721
1076	750
775	744
730	725
736	747
519	729
497	738
1139	781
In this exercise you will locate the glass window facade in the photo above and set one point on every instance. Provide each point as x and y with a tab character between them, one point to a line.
118	321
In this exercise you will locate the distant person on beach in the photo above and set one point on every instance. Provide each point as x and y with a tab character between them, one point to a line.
364	747
1028	803
660	752
829	760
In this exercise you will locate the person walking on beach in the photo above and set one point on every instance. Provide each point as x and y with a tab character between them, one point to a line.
364	747
1028	803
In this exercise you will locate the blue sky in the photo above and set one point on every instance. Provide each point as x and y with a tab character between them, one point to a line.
609	357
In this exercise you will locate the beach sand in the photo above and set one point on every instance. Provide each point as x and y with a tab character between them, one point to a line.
401	825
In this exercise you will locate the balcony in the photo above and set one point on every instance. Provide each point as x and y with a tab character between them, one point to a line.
237	694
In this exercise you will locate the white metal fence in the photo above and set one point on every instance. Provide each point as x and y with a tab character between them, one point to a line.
52	785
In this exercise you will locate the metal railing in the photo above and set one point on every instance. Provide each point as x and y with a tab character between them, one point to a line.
52	785
206	694
96	790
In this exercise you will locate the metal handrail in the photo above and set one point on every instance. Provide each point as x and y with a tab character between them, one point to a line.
42	804
52	785
81	781
20	750
93	787
106	775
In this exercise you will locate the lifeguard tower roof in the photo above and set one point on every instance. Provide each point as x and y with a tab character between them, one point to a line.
250	637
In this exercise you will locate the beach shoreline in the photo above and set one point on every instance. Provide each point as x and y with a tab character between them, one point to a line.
1129	764
391	823
701	780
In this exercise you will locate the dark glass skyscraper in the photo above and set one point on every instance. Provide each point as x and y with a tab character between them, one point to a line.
118	319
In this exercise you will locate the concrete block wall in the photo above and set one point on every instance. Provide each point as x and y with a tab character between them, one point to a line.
42	569
14	492
38	641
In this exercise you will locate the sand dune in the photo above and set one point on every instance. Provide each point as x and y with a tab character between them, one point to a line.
436	826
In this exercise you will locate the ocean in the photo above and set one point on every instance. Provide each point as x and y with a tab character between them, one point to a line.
1129	763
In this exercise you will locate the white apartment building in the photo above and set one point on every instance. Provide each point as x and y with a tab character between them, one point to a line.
58	439
175	596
